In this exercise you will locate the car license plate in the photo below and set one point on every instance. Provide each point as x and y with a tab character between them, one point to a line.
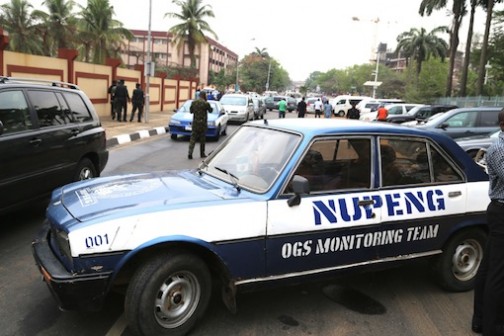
188	128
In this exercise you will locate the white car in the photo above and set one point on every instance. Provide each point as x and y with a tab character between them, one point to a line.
341	104
240	107
392	109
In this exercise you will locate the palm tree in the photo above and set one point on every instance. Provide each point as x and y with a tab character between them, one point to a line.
193	25
59	24
18	21
467	54
419	45
261	52
488	5
458	11
101	34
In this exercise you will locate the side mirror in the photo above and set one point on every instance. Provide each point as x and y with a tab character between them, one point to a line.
300	186
444	126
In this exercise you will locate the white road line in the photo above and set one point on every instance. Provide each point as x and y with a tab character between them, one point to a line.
118	327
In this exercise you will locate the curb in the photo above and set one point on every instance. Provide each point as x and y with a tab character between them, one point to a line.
126	138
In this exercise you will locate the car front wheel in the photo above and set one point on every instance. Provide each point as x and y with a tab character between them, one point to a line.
167	295
457	266
85	170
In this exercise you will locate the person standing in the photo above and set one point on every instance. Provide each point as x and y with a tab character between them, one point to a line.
138	101
121	99
327	109
197	93
318	106
199	108
282	107
353	112
111	92
382	113
301	108
488	314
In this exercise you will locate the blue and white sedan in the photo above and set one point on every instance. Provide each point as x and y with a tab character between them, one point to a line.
181	122
280	201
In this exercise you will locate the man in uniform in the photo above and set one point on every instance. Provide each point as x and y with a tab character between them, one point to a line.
488	315
199	108
121	99
138	100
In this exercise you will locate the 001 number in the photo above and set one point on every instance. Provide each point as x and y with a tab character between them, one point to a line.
97	241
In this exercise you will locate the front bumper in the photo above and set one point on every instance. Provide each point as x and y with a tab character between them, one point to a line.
184	131
71	291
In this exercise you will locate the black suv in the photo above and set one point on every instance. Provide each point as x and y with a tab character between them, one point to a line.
50	135
420	113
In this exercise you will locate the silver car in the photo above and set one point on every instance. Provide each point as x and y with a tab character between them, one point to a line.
240	107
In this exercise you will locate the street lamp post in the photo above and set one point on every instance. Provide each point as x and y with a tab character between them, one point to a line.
237	86
269	72
148	67
376	72
487	68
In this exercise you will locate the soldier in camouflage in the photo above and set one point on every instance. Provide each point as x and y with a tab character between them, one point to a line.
199	108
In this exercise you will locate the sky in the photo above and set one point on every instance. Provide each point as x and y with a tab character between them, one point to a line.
303	36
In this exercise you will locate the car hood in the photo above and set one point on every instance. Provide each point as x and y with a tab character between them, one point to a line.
227	106
136	193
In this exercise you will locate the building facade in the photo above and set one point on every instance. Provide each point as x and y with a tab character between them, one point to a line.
210	56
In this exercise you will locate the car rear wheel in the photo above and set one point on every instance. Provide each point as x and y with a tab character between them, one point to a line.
167	295
341	113
457	266
85	170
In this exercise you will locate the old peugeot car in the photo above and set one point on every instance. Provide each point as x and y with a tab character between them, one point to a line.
181	122
280	201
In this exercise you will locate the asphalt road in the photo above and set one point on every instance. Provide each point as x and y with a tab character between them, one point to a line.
400	301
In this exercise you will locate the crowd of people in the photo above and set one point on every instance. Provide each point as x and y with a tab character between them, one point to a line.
119	99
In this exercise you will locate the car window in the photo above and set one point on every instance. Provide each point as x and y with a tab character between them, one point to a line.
48	109
240	101
337	164
462	119
410	162
77	107
341	102
14	112
395	110
424	112
488	119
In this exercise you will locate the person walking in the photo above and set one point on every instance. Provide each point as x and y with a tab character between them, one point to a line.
327	109
301	108
282	107
382	113
199	108
318	106
121	99
111	92
488	314
138	101
353	112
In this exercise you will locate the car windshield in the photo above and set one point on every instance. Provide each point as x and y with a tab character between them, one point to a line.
229	100
254	156
187	106
413	111
433	118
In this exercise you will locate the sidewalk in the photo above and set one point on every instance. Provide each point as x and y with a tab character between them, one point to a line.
119	133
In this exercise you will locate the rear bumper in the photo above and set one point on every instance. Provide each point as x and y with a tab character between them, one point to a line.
71	291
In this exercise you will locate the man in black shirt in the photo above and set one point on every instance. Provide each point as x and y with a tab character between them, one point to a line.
301	108
121	99
138	100
353	113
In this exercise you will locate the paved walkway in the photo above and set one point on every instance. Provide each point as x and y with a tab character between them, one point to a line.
119	133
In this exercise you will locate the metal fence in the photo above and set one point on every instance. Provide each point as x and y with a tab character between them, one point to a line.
471	101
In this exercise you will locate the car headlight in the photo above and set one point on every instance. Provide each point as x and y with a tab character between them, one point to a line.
211	123
63	243
174	122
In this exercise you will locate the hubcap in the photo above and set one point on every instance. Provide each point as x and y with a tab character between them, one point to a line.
466	259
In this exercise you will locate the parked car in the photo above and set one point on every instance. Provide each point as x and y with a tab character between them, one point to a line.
471	145
272	103
280	202
420	113
238	106
392	110
341	104
310	107
50	135
463	122
367	105
259	107
181	122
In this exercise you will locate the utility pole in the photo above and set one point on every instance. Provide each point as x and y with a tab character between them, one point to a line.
268	80
148	67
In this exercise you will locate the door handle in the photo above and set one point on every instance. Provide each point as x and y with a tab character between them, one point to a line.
366	202
35	141
454	193
75	131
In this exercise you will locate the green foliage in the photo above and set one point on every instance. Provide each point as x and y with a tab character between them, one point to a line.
429	84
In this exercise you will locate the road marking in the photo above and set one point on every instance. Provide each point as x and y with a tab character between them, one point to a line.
118	327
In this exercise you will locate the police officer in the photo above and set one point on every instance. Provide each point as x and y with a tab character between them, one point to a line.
121	98
111	92
138	101
199	108
488	315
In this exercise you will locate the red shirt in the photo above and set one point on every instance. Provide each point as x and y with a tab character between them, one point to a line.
382	114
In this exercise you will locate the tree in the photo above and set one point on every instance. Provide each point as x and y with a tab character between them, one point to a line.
467	54
419	45
458	12
60	24
193	26
429	85
261	52
19	22
102	36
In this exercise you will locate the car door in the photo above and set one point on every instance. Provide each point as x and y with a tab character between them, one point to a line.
487	121
332	227
421	191
461	124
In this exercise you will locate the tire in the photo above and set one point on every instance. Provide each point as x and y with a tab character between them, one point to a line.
173	136
224	131
341	113
85	170
456	267
167	295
